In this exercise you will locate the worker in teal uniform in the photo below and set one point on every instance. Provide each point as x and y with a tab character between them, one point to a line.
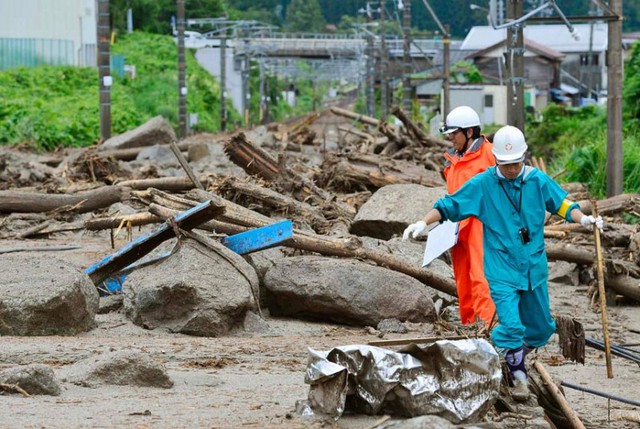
510	200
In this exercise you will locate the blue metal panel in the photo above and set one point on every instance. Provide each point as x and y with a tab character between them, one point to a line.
259	238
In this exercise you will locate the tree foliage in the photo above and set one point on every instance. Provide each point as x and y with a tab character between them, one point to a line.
304	16
631	89
154	16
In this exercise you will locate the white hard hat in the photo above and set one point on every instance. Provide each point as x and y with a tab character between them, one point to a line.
460	117
508	145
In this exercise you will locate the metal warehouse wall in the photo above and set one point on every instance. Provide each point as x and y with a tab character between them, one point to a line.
48	31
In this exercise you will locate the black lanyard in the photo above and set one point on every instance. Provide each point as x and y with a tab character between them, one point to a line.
513	204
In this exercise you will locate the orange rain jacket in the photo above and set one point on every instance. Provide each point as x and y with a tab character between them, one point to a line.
467	254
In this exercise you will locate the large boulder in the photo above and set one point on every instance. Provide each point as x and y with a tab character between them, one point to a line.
392	208
345	291
41	295
196	291
157	130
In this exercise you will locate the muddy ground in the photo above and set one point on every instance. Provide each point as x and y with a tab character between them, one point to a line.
254	380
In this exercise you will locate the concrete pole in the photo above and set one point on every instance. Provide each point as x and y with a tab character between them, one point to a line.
104	74
446	71
370	78
182	86
615	177
245	83
223	83
515	66
406	59
384	97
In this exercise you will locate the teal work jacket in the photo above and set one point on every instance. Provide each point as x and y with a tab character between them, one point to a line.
505	207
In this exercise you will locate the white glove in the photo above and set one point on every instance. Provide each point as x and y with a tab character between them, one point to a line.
414	229
587	221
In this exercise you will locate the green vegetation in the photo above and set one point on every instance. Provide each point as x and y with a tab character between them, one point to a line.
154	16
304	16
49	106
574	142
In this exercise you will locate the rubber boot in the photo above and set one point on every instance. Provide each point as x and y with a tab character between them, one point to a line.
515	363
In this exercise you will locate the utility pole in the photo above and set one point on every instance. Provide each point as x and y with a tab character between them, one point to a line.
406	58
223	82
384	97
614	102
370	77
515	66
262	91
446	49
245	82
104	69
182	87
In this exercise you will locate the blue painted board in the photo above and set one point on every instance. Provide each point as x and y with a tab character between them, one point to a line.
259	238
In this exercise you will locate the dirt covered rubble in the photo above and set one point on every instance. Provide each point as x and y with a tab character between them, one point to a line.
240	362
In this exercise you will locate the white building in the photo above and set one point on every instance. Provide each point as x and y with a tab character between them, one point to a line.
59	32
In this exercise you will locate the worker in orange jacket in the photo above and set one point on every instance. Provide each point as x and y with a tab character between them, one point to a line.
471	154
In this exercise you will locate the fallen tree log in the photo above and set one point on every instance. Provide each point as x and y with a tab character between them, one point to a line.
135	219
82	202
615	234
252	159
415	131
164	183
284	204
627	285
360	118
624	285
132	153
612	205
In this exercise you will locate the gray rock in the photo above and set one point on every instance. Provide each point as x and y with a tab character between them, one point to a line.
564	272
41	295
261	261
197	151
392	208
195	291
160	155
392	326
121	368
155	131
422	422
35	379
345	291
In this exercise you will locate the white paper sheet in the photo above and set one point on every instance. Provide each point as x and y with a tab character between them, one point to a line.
440	239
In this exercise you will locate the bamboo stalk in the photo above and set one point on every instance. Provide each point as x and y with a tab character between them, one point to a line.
602	296
573	418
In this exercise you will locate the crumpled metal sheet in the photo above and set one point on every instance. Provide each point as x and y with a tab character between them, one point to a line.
458	380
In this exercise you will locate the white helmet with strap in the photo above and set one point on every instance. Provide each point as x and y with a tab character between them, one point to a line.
509	145
460	117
